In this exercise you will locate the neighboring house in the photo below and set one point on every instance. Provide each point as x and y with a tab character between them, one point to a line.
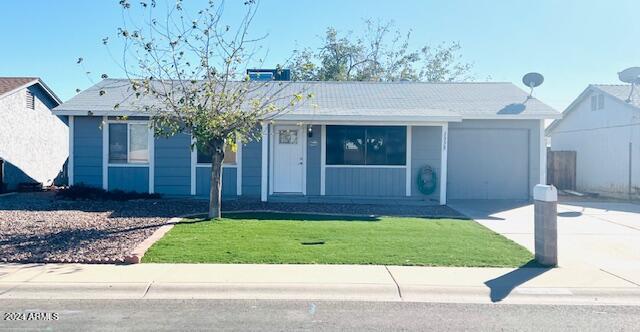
354	140
603	126
33	141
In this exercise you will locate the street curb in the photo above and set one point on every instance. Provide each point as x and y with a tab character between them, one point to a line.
315	291
138	252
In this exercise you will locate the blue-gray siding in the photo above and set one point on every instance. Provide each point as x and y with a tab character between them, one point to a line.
173	165
229	183
360	181
313	161
493	159
129	179
251	169
426	150
87	153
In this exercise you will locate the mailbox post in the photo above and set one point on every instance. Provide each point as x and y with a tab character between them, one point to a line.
546	224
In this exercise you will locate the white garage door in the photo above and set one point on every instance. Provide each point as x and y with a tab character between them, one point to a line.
488	164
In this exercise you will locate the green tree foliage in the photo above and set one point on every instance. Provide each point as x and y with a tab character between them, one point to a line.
381	53
187	71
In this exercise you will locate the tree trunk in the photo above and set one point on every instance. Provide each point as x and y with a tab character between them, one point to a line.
215	193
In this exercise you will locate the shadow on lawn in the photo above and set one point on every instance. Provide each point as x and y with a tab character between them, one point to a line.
502	286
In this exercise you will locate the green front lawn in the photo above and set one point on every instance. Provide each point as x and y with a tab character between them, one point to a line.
274	238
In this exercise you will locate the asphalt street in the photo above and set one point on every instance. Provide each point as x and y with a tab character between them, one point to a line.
269	315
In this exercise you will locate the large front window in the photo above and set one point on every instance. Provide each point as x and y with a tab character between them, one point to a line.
366	145
128	143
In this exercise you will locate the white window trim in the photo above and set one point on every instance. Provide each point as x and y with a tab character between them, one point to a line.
323	159
303	142
543	154
264	164
408	162
150	164
443	163
70	164
195	165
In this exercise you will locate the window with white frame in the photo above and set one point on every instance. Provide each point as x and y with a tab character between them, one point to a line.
128	143
229	156
366	145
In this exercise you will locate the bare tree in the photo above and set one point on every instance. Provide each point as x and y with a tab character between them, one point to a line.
187	71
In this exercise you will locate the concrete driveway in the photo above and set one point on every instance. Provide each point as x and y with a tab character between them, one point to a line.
604	235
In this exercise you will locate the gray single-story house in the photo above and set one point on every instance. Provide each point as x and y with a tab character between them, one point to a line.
33	141
354	141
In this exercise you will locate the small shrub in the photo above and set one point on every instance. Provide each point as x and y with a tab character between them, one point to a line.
84	192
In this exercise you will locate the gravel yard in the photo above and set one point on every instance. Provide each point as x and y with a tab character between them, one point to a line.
37	227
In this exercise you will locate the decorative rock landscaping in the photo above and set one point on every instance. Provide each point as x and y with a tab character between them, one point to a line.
38	227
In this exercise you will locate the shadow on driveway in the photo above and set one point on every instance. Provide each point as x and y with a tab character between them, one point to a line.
502	286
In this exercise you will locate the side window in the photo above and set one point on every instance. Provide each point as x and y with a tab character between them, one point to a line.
128	143
600	101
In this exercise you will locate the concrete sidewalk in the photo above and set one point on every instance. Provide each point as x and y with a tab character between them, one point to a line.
335	282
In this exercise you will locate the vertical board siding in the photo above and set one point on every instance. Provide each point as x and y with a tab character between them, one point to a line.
203	181
251	168
313	161
173	165
365	181
129	179
87	152
426	149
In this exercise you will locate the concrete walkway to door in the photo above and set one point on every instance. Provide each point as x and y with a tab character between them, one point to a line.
602	235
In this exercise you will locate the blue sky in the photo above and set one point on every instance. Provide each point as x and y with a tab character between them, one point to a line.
573	43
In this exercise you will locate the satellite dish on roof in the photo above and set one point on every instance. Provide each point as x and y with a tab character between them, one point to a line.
532	80
632	76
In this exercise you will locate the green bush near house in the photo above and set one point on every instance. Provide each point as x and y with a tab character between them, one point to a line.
273	238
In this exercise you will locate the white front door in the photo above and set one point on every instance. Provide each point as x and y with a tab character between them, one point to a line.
288	159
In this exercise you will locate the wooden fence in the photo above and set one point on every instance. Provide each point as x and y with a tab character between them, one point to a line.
561	169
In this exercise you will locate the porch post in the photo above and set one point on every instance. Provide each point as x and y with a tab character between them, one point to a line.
70	160
443	164
265	161
105	153
408	162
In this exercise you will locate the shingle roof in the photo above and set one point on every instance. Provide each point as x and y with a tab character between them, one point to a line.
622	92
8	84
361	99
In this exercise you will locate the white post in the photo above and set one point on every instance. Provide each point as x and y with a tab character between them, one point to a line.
70	160
265	161
443	164
194	161
408	162
152	160
105	153
239	168
323	158
543	155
